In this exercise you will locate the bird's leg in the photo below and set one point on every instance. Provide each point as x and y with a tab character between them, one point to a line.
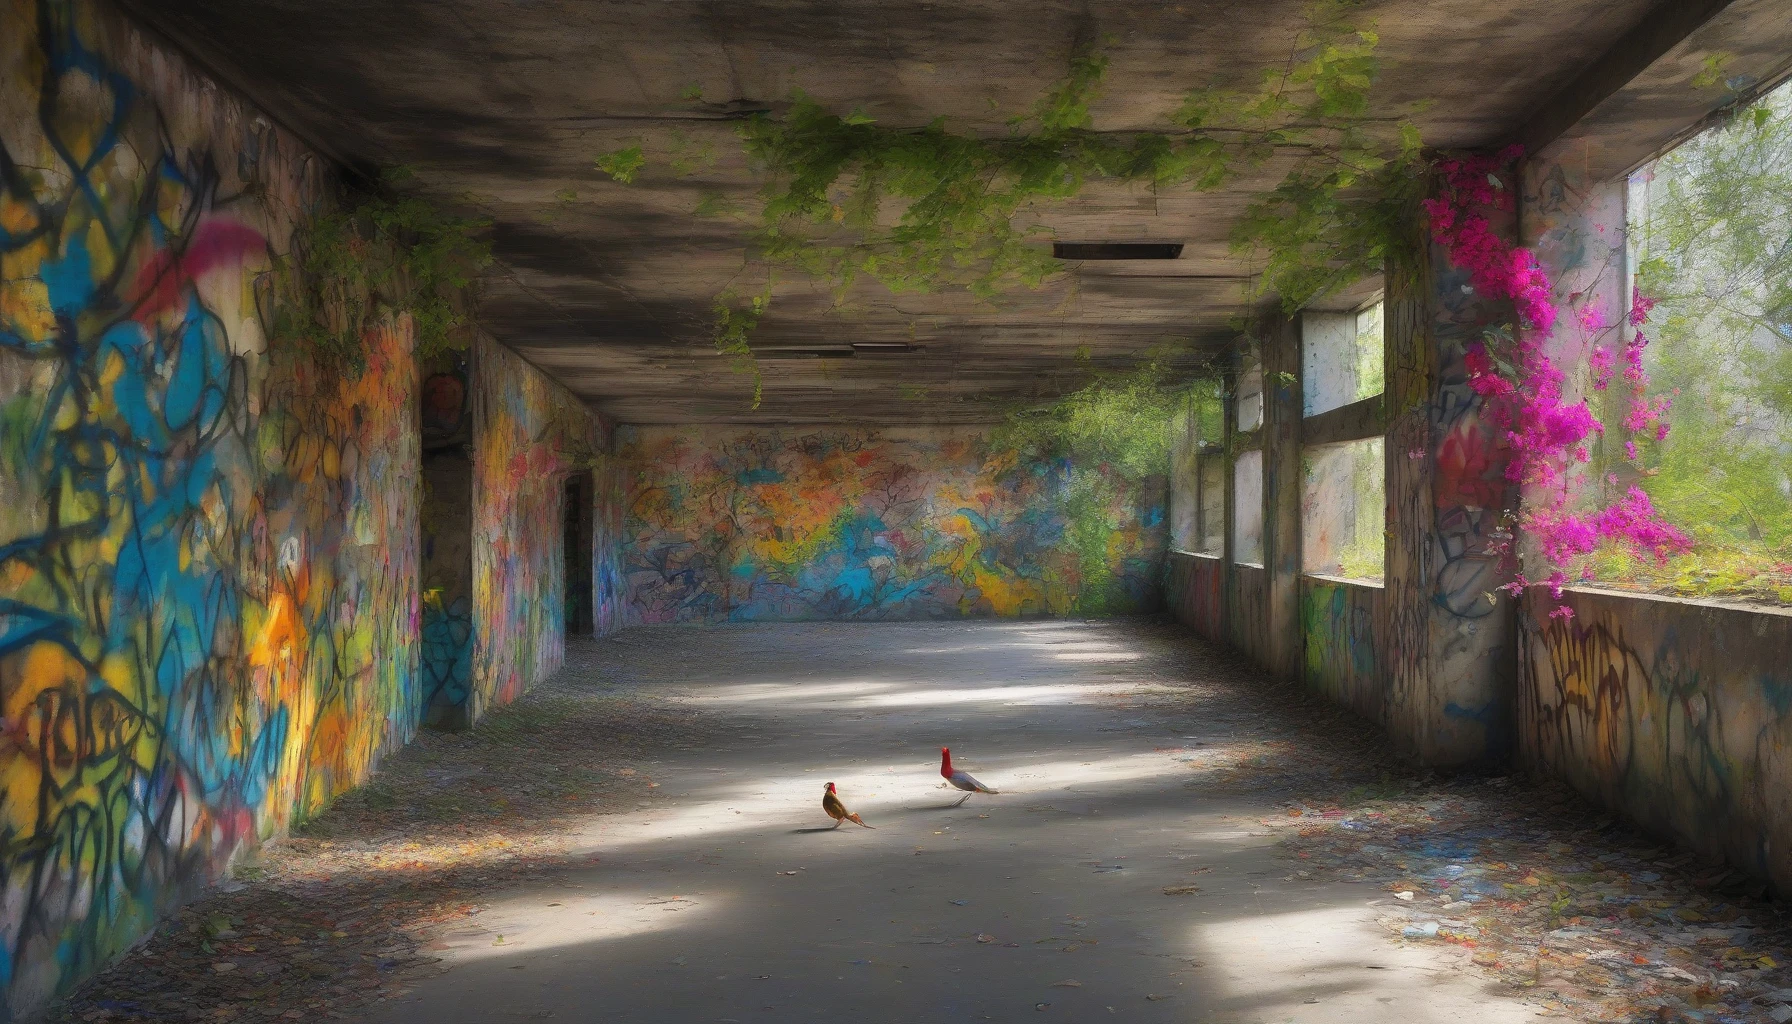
836	822
961	800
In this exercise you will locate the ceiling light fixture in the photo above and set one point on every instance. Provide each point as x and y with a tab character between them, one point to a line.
1117	250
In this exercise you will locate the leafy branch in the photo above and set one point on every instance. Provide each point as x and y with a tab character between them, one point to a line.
924	208
383	254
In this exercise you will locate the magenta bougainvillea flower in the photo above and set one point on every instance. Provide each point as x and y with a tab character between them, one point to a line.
1545	432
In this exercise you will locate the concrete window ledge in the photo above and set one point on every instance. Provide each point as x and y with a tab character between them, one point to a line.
1351	581
1724	603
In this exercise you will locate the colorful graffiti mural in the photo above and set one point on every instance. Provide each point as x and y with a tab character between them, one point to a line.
1338	630
208	575
1677	713
529	435
862	523
609	507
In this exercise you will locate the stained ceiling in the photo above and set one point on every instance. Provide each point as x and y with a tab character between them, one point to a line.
502	106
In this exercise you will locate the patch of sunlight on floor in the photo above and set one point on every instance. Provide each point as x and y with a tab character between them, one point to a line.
570	917
793	802
1017	645
1052	693
748	693
1329	964
1096	656
1082	776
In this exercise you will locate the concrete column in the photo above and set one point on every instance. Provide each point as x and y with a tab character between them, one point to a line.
1229	510
1449	629
1572	215
1283	486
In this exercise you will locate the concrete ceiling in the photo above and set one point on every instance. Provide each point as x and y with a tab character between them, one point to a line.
503	105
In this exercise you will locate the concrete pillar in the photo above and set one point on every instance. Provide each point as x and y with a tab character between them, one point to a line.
1283	487
1449	630
1229	511
1572	215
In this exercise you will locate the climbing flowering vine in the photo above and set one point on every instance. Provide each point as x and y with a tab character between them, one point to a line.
1523	388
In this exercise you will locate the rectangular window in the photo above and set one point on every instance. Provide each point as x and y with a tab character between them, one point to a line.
1213	505
1344	498
1185	477
1341	358
1371	353
1250	397
1247	513
1344	511
1708	224
1198	485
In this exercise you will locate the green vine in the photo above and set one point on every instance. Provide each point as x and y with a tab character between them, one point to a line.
1111	434
380	255
919	209
734	323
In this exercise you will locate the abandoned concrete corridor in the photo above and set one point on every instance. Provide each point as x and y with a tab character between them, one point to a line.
472	471
1166	847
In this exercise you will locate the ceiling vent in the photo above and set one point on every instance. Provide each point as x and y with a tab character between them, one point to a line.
1117	250
802	351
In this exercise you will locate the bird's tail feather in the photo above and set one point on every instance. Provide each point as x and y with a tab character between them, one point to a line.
856	820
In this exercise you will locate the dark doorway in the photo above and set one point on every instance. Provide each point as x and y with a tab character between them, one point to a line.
578	555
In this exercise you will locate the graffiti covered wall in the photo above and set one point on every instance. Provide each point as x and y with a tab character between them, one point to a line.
884	524
529	435
1446	626
1194	589
208	549
1338	629
608	563
1677	713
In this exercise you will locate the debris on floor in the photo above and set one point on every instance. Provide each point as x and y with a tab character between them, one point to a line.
340	915
1572	910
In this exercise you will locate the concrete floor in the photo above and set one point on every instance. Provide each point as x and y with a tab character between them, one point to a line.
719	901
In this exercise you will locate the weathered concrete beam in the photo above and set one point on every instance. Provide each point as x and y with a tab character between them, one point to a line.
1351	422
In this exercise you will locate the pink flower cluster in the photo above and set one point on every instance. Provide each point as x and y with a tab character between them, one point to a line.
1545	433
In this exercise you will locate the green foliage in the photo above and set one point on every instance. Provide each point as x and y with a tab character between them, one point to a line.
923	208
1371	353
734	322
1710	223
623	164
1120	419
1712	72
383	254
1112	433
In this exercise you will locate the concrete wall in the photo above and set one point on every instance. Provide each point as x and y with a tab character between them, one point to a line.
529	435
211	565
1194	590
1341	656
869	523
1677	713
208	543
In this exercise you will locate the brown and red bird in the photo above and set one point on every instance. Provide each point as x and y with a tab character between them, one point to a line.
830	802
960	779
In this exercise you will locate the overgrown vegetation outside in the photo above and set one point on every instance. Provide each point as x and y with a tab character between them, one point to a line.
1710	223
1111	436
